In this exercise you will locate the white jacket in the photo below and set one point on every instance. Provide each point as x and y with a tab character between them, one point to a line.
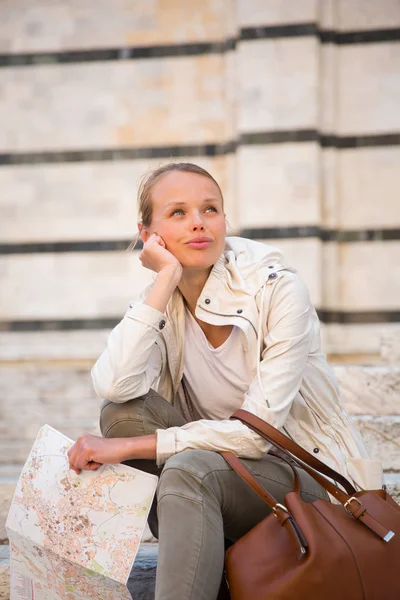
293	387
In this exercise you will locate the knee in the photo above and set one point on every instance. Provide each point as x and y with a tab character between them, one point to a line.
189	474
121	420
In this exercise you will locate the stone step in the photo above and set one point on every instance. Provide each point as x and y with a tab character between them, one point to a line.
392	482
361	342
61	395
382	438
141	581
369	390
390	347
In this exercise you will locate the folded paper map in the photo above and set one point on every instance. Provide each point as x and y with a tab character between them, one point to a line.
75	536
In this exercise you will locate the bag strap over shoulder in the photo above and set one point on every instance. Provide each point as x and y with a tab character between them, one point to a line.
287	445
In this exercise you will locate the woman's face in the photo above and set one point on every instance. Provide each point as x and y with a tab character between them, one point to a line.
189	216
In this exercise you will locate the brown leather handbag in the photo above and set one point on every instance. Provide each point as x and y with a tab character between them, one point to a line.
316	550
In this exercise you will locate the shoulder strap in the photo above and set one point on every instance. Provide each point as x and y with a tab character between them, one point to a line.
248	478
289	446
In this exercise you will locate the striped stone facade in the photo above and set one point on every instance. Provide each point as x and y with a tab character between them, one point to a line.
293	105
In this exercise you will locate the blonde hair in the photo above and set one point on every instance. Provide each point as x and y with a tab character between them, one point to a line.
145	206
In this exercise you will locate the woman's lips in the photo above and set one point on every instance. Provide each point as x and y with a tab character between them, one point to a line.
199	243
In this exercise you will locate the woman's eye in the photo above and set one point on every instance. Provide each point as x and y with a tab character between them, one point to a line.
212	208
177	211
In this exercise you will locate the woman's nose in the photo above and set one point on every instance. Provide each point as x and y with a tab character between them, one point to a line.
197	224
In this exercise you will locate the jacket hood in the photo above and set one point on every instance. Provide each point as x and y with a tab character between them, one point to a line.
247	263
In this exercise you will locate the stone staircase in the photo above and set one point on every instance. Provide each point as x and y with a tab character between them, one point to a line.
59	392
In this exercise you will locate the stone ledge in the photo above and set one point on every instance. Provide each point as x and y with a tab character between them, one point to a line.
390	347
371	341
369	390
381	434
4	573
142	579
382	437
62	396
392	481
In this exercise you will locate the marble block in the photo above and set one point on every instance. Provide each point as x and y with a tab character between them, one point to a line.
278	185
72	25
368	91
269	71
276	12
89	200
118	104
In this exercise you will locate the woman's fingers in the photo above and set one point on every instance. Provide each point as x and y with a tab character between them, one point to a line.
155	255
91	451
82	454
93	466
160	240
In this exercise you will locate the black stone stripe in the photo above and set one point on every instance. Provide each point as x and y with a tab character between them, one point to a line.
279	137
61	247
199	150
112	54
359	141
326	316
269	233
278	31
366	235
359	317
111	154
59	324
326	235
201	48
366	37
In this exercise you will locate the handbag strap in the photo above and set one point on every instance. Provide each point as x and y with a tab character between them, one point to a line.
251	481
298	453
280	512
352	504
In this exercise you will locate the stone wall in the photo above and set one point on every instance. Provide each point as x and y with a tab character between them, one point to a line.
291	104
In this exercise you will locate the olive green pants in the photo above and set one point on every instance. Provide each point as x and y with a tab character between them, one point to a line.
200	499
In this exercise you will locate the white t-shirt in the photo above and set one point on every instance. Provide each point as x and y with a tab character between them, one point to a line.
216	378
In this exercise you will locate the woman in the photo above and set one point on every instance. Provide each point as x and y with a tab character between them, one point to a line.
224	325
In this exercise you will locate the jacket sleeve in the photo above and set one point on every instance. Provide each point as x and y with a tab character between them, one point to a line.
132	360
287	343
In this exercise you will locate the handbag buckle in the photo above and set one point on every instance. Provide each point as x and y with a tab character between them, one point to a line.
281	507
347	505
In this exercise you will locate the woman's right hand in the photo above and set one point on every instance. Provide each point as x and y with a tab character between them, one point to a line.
156	257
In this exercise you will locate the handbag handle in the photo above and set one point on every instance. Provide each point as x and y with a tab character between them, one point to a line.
301	456
304	459
251	481
281	513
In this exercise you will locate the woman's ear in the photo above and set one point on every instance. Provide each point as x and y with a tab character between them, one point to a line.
143	232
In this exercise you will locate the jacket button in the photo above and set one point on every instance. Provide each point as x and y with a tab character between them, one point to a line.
239	311
207	301
316	450
161	324
271	267
273	276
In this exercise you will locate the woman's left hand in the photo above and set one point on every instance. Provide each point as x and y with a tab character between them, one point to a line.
91	451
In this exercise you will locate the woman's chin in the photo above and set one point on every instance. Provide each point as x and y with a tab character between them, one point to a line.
201	263
199	259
